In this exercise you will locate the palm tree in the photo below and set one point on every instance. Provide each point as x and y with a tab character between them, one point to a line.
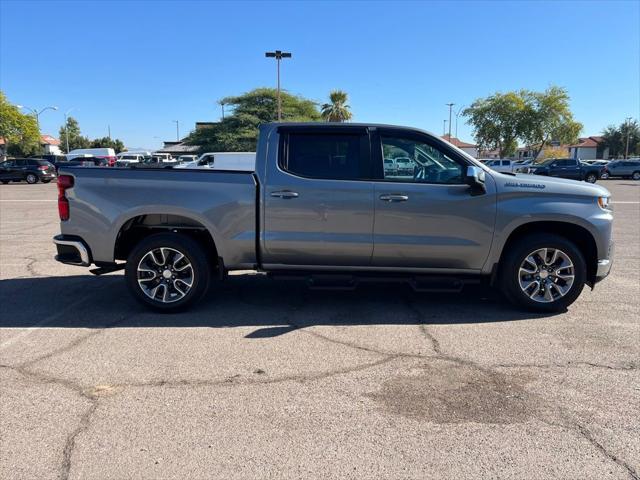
337	110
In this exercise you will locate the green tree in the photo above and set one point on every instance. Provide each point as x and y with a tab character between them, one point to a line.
239	130
76	140
547	117
535	118
337	110
19	131
616	139
497	121
106	142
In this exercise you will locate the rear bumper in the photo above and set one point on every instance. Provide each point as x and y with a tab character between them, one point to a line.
72	251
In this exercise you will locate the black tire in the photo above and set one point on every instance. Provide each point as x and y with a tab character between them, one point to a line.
45	180
193	253
31	178
635	175
4	182
509	272
591	178
605	175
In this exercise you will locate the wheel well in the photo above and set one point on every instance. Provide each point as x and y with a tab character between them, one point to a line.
575	233
136	229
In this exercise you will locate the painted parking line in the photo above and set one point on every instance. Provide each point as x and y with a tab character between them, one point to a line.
7	200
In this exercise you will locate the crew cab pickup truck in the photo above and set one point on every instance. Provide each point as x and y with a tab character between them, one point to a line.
567	168
320	205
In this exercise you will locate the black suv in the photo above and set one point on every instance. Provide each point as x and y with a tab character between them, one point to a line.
31	170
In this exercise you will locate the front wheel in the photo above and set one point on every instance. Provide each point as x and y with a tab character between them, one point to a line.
604	175
636	175
31	178
543	272
591	178
168	272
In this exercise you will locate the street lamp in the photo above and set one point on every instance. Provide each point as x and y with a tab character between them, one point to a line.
626	149
444	128
177	122
278	55
457	115
66	128
450	105
36	114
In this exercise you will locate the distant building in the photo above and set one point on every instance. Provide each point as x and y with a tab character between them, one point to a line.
175	149
50	144
589	148
468	148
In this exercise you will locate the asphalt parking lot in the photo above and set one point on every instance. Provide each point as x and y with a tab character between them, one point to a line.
267	379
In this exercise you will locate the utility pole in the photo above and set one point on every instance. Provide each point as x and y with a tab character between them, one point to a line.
37	114
444	127
177	122
278	55
450	105
626	149
109	131
222	106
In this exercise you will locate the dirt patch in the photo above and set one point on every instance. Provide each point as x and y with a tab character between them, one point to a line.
451	393
103	390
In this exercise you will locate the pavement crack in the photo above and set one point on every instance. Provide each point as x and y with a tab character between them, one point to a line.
624	367
70	442
419	317
587	435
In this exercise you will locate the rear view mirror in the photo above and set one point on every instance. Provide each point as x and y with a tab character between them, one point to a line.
475	177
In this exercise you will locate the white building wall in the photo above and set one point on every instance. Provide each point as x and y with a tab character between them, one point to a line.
471	151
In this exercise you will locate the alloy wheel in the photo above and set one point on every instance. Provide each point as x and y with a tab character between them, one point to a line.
165	275
546	275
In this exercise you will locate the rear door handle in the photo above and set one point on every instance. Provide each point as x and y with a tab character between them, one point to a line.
284	194
394	197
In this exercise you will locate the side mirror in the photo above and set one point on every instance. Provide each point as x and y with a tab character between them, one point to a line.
475	179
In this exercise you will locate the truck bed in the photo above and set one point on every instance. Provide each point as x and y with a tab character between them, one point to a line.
104	200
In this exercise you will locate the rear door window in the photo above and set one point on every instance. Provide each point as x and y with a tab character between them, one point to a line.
333	156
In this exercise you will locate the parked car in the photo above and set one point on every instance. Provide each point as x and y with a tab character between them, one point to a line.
107	153
243	161
521	166
404	166
501	165
390	167
319	205
569	168
52	158
125	159
622	168
187	158
30	170
163	158
82	161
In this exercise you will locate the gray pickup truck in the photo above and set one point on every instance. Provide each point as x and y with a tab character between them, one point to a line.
321	206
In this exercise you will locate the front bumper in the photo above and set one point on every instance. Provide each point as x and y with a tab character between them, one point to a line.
72	251
604	266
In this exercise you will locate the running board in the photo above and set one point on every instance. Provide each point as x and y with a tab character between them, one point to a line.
108	268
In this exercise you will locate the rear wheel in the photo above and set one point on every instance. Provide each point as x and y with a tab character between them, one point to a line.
4	182
636	175
543	273
604	175
31	178
168	272
591	178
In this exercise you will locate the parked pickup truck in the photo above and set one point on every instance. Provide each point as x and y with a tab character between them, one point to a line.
320	205
567	168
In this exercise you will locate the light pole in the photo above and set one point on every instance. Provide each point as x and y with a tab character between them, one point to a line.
36	114
457	115
66	128
222	104
278	55
177	122
444	127
450	105
626	149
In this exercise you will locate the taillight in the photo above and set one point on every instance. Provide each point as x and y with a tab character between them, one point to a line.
64	182
43	168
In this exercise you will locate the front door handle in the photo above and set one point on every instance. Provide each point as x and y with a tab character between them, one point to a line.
394	197
284	194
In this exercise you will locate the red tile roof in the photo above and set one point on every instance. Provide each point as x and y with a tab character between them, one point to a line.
588	142
49	140
457	142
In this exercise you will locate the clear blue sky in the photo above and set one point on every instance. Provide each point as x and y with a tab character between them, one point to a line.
136	66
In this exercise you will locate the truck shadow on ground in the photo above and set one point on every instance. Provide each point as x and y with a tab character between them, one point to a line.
244	301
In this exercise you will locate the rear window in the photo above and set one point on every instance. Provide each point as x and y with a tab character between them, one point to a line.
328	156
38	162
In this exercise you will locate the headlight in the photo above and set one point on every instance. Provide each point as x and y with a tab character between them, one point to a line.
604	202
